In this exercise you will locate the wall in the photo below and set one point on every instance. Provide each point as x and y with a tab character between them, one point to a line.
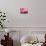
35	18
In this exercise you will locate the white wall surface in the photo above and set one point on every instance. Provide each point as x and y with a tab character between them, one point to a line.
35	20
36	16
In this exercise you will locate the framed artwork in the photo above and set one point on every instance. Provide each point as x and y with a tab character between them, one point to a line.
23	10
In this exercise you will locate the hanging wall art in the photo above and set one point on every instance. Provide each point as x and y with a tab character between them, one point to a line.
23	10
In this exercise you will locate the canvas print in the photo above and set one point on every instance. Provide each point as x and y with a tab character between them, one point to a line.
23	10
